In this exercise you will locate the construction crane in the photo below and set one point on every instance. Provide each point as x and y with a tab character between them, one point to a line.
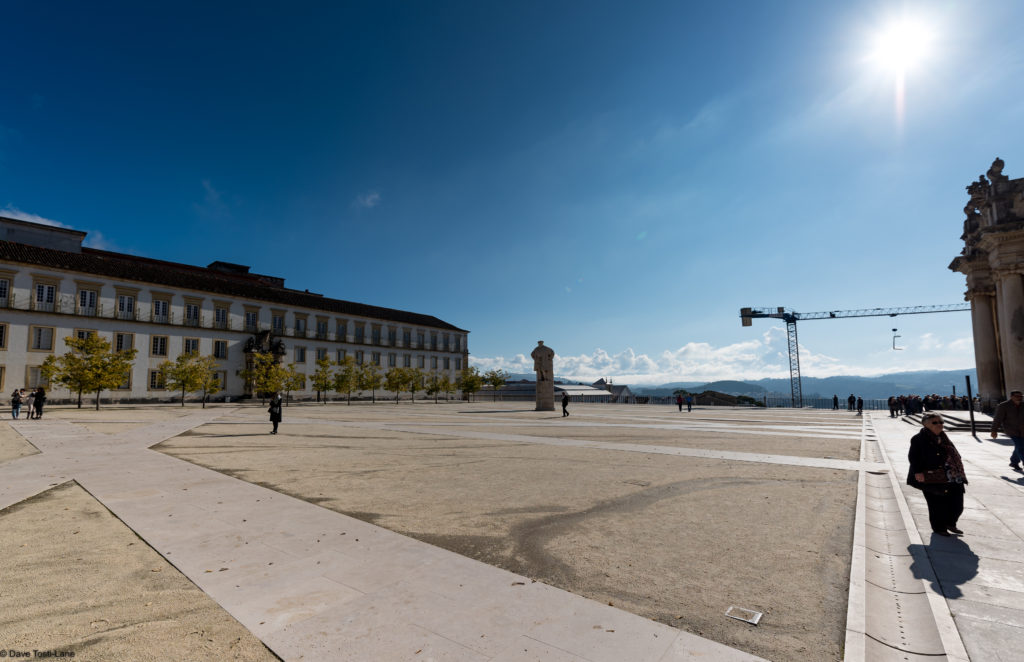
790	317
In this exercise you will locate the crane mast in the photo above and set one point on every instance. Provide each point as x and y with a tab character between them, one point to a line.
790	317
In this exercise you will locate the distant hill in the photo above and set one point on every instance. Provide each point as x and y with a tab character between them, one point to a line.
920	382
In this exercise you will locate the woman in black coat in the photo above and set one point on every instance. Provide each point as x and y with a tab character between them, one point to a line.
275	411
936	470
40	401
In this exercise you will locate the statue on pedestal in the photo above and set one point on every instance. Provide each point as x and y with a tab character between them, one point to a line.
544	365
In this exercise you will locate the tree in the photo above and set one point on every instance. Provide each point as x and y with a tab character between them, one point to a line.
293	381
448	386
322	378
434	385
370	378
395	379
470	380
415	382
266	375
184	373
496	378
346	379
209	382
89	367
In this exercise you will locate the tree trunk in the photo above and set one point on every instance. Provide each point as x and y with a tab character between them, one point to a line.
79	398
97	401
182	396
204	399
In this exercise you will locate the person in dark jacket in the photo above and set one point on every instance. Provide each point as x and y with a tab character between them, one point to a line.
16	403
1009	416
936	470
40	401
565	404
860	406
275	411
835	402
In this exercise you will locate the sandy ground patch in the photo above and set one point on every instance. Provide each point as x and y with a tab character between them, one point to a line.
86	583
13	445
676	539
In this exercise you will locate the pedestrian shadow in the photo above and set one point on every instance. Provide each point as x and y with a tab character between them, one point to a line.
946	563
1014	481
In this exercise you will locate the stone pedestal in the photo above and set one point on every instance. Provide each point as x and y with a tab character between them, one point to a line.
986	351
543	365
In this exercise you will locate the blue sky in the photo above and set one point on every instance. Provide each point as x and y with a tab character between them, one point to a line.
615	178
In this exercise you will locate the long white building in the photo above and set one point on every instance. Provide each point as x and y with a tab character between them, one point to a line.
52	287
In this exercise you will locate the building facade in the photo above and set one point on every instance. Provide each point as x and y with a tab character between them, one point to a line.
993	261
52	287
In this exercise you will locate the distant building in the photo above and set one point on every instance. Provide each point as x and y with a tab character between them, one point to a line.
52	287
526	390
620	392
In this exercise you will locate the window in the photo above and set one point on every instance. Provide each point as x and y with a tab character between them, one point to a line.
220	318
5	292
2	371
321	353
159	346
300	326
41	338
341	355
45	297
125	307
359	357
222	379
156	381
34	378
220	349
407	338
82	334
191	314
3	336
302	382
321	329
123	341
406	361
447	363
126	385
300	354
252	320
392	337
433	363
447	342
420	339
458	343
277	323
161	311
375	335
458	364
375	358
433	341
190	346
342	331
360	332
87	303
419	362
392	359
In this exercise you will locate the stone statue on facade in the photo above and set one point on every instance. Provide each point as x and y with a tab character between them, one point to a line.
544	366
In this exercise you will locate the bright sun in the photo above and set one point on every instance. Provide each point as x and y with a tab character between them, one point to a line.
902	46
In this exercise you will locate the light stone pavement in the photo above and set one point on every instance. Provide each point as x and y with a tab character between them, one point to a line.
310	582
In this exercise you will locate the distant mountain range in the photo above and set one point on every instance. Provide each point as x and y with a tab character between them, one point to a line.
920	382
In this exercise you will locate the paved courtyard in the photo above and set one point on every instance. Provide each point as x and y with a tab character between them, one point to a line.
619	533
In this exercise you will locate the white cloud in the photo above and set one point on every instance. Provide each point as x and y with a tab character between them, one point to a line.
367	200
213	206
747	360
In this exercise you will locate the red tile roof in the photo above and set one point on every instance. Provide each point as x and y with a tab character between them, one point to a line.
184	276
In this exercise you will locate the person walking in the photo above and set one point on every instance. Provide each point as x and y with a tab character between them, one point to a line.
835	401
679	401
1009	416
850	401
689	403
860	406
937	470
275	411
565	404
30	403
40	401
15	403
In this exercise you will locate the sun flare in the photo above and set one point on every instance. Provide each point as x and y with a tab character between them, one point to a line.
902	46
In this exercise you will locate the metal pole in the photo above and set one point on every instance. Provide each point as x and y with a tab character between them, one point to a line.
970	404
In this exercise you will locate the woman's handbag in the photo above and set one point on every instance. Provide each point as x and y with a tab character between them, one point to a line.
932	476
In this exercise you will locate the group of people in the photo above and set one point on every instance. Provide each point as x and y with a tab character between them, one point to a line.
937	470
32	401
915	404
688	400
852	402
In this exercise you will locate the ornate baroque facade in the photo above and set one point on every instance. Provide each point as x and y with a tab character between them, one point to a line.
52	287
993	261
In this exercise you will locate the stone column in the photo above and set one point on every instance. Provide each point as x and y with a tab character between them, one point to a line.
986	353
543	365
1010	285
